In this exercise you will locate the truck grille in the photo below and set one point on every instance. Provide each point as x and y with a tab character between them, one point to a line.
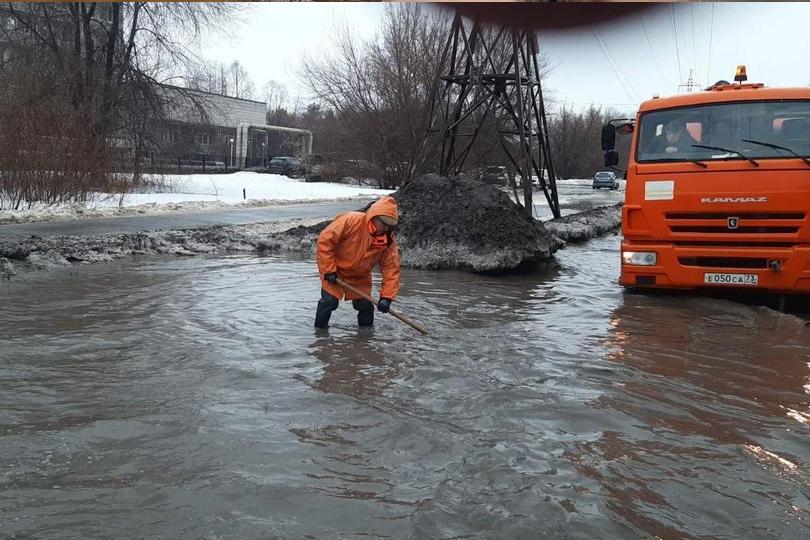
741	215
724	262
738	230
719	223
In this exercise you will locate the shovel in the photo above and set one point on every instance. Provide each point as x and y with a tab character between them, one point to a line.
402	318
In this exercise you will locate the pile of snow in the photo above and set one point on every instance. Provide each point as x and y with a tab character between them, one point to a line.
574	182
584	182
454	223
583	226
460	223
198	192
37	253
463	223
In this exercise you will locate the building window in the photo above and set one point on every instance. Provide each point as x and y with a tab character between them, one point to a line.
204	139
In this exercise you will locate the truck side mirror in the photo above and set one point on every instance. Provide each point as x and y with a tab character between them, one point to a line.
608	137
611	158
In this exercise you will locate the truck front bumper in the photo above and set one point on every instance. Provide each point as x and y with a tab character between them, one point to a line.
777	269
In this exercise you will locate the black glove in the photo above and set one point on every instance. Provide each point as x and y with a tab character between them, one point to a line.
331	277
384	305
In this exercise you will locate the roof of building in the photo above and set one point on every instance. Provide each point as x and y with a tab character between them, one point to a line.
198	107
194	90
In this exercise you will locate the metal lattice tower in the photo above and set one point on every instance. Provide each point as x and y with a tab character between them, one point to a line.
491	77
690	83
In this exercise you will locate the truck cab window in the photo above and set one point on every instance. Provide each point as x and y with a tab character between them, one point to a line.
668	135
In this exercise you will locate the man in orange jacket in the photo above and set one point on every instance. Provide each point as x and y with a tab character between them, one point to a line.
349	248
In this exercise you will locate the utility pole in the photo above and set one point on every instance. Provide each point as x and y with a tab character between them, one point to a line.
689	84
490	75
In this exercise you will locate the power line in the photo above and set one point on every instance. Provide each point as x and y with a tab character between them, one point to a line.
619	67
615	73
617	70
613	103
711	35
677	48
649	45
692	13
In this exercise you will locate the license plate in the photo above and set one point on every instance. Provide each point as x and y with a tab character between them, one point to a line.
730	279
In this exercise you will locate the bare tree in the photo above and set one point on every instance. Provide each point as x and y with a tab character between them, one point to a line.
207	77
378	90
218	78
241	85
575	137
275	95
97	65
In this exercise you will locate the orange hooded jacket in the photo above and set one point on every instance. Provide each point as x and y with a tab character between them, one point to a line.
346	246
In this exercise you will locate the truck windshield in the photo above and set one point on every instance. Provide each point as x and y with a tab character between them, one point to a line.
669	134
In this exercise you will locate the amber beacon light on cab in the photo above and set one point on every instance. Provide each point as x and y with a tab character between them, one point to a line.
718	189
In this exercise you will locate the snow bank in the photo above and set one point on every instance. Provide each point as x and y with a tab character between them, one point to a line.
575	182
195	193
586	225
37	253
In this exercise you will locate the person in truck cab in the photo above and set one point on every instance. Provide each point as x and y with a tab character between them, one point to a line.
674	139
677	138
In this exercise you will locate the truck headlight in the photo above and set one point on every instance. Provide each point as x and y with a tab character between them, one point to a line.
639	258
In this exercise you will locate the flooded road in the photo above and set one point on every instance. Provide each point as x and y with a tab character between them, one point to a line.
191	398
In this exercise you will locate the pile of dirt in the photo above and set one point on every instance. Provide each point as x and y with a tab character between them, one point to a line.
460	223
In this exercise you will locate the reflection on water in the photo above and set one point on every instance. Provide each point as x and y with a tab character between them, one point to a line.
710	394
352	365
192	399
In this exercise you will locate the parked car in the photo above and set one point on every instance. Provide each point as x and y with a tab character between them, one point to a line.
605	179
288	166
495	174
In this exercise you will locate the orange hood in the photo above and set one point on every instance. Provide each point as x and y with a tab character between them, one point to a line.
385	206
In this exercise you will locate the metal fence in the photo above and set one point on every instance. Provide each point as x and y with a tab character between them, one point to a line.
196	163
186	164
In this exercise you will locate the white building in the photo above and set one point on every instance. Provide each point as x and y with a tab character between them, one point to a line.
224	130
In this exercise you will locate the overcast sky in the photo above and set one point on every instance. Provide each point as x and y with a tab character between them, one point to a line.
771	39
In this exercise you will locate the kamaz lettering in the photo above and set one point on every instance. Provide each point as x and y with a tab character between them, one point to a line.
733	199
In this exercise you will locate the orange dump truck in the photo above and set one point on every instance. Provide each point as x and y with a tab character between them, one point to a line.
718	189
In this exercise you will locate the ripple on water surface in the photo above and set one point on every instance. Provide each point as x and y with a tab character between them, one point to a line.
192	398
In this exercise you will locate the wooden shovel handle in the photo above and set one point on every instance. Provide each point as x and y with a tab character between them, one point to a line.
399	316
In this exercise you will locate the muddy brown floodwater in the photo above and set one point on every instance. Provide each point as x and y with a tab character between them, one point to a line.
191	398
